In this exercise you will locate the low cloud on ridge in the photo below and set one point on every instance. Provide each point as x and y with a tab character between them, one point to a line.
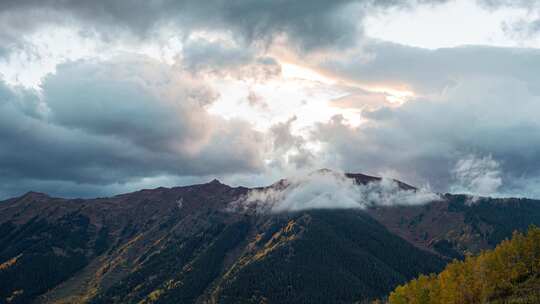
477	175
329	190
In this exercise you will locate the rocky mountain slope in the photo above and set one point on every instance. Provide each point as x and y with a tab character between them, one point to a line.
187	245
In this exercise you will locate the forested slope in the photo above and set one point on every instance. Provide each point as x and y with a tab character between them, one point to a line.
306	257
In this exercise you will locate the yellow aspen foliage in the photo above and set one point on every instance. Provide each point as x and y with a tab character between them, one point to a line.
511	270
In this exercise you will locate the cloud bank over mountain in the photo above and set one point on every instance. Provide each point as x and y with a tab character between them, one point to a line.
473	109
102	97
326	189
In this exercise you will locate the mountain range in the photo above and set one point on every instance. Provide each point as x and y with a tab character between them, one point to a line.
212	243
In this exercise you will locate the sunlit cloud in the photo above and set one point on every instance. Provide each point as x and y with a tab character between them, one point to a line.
293	71
394	96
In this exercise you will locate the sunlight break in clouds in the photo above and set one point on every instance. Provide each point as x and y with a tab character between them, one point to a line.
326	189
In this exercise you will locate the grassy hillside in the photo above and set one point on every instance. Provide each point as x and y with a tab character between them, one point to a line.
508	274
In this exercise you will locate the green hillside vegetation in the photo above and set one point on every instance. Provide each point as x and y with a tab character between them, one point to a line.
508	274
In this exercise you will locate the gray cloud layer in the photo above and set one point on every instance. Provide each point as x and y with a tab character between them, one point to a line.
117	122
432	71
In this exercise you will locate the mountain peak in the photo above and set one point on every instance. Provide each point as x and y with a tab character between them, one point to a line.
34	195
215	181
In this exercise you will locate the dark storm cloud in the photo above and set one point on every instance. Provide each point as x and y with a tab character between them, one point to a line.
308	23
101	123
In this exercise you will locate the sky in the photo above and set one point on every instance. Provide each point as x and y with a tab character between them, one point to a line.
103	97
